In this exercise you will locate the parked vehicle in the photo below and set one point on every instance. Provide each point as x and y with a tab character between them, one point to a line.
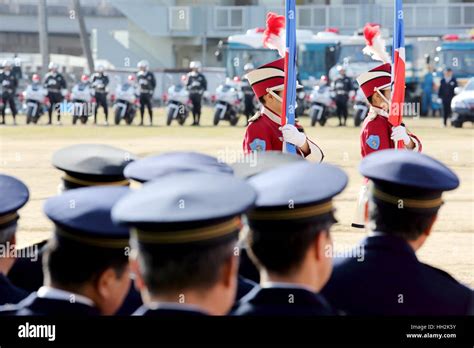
125	106
462	105
322	103
178	104
34	100
228	103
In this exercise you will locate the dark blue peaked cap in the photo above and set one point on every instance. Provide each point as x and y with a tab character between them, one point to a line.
183	208
92	165
410	178
13	195
296	191
84	216
408	168
153	167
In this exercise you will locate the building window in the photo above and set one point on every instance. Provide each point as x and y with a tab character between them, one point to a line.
229	18
179	18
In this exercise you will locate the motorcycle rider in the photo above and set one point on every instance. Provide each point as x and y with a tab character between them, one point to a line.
146	85
100	81
56	85
9	85
36	93
249	105
196	86
342	86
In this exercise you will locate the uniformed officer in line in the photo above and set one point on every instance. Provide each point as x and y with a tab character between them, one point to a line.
9	84
184	234
446	92
100	81
385	277
264	131
154	167
56	85
13	195
146	88
86	262
289	239
248	166
342	86
83	165
196	85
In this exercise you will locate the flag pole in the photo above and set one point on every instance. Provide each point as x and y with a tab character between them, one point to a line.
398	69
289	90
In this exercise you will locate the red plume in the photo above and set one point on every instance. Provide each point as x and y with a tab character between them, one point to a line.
272	37
370	32
375	43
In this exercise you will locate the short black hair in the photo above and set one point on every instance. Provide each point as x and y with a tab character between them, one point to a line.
192	266
280	246
70	264
405	223
449	69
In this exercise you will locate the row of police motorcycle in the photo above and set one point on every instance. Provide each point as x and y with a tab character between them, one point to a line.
321	103
81	101
231	99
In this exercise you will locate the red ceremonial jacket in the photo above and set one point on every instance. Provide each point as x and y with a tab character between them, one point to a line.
376	132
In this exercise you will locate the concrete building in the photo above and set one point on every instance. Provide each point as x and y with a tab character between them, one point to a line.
170	33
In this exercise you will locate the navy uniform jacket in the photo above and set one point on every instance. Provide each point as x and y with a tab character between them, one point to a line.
33	266
146	82
446	89
100	82
197	83
54	82
244	286
169	310
389	280
36	306
9	293
283	301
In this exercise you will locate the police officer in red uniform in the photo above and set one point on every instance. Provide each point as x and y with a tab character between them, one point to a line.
264	132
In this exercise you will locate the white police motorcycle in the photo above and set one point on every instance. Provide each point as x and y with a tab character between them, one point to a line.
125	106
81	96
178	101
322	104
34	97
228	103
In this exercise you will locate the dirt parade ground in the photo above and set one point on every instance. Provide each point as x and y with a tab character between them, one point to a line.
26	151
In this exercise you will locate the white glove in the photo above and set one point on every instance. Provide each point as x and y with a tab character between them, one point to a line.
292	135
400	133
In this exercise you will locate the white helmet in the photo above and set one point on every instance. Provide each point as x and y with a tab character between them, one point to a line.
53	65
248	67
143	64
100	68
195	64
